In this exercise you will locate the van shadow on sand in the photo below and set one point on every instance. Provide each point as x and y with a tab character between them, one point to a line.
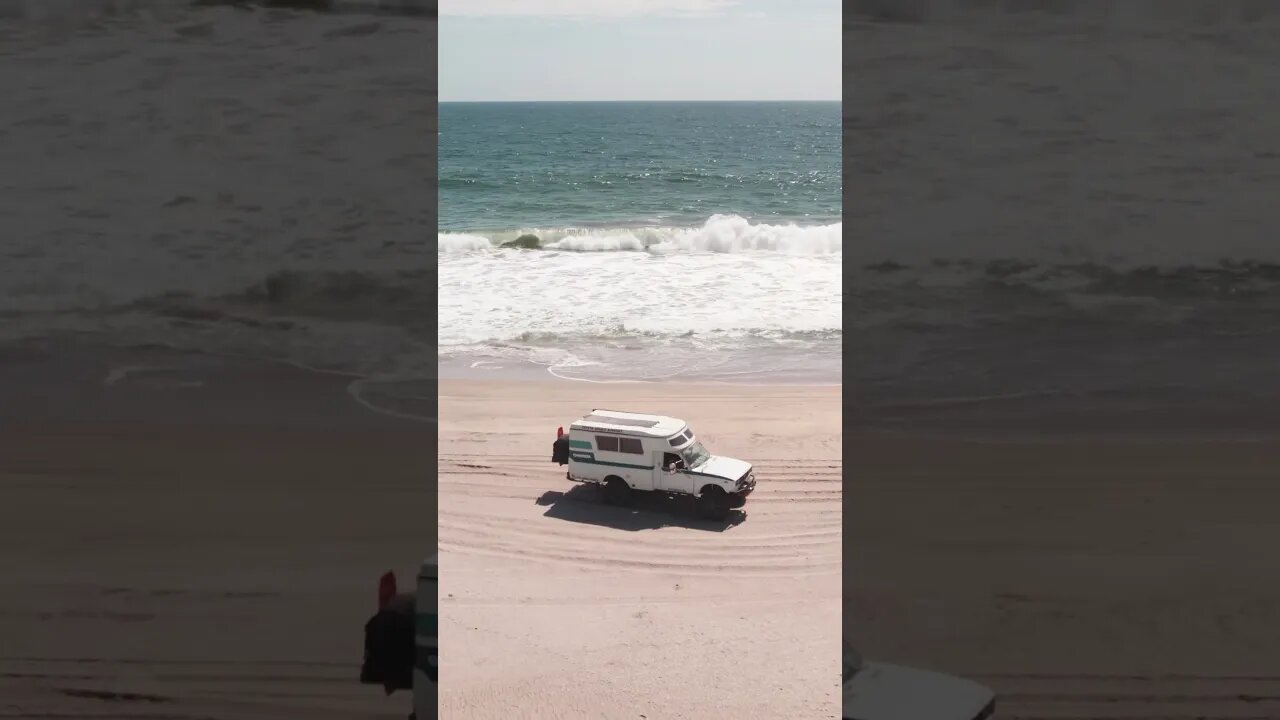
649	511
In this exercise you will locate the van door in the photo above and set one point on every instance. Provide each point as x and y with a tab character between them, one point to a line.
678	481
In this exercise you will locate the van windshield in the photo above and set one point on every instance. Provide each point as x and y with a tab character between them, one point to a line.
694	455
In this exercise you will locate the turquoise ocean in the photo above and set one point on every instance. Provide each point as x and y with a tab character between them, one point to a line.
641	241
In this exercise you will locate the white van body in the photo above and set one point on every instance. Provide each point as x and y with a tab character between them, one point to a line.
878	691
426	630
652	452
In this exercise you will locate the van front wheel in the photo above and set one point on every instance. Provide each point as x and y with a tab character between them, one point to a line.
617	491
714	502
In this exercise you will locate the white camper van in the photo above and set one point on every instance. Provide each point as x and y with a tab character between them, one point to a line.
426	629
877	691
624	452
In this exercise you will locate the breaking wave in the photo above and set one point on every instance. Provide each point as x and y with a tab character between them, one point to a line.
85	10
719	234
942	295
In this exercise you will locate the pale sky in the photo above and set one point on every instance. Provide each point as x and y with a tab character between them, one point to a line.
639	50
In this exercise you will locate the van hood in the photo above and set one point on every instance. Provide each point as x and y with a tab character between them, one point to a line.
880	691
723	467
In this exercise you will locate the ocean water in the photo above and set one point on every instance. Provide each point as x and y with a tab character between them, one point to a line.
70	12
641	241
220	180
1063	209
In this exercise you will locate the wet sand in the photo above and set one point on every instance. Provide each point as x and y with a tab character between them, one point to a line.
201	539
1078	578
554	605
1053	494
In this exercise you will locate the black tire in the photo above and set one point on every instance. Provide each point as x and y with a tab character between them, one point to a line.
737	500
616	491
714	503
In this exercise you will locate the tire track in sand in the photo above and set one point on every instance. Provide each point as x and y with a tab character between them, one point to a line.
514	507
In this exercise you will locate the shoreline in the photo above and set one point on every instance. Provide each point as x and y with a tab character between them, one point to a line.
481	367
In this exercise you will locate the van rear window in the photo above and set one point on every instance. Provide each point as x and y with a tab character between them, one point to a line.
607	443
631	445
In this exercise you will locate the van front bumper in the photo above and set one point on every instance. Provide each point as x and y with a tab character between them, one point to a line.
746	485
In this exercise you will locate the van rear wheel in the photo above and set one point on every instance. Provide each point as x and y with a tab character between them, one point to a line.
714	503
617	491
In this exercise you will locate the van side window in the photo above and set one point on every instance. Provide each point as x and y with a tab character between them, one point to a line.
607	443
672	460
631	445
677	440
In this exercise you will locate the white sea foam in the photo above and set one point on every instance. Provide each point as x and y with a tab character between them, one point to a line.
464	242
719	234
519	297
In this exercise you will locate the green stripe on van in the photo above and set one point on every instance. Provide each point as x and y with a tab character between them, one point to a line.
427	623
590	459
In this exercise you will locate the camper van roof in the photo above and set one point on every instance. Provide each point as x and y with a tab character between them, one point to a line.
630	423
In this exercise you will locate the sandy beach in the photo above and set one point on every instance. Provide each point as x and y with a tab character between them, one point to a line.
553	605
1065	426
1078	578
199	538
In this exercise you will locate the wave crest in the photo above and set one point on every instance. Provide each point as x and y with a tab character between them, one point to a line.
719	234
82	10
